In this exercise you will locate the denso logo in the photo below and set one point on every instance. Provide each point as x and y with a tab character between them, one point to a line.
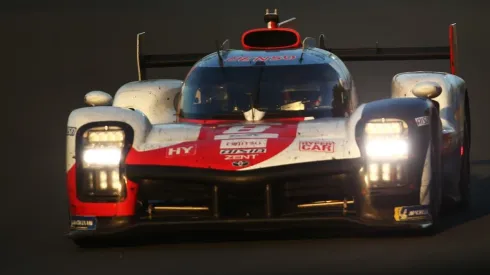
243	143
317	146
181	151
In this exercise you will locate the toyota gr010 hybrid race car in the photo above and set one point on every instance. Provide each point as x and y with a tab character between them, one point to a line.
269	136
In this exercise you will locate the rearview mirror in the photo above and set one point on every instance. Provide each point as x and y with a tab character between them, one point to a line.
427	90
98	98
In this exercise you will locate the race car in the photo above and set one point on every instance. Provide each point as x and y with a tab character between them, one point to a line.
269	136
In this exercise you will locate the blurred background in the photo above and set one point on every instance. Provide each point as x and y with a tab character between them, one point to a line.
56	51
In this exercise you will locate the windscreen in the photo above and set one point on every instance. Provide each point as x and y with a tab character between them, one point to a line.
280	91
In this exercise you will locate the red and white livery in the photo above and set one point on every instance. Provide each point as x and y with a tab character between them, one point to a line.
271	135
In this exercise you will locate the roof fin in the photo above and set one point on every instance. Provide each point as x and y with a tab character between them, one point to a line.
321	42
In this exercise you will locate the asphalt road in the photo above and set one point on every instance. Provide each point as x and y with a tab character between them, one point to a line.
463	245
61	52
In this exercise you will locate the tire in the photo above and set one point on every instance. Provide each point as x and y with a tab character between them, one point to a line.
464	182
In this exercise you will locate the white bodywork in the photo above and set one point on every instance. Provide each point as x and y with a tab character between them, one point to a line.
154	125
154	98
453	89
451	101
150	137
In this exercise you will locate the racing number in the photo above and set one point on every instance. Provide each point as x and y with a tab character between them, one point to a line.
247	129
252	131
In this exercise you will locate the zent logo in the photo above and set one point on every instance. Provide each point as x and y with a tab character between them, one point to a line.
181	151
240	157
317	146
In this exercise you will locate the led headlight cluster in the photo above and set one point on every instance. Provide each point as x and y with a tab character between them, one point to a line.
101	155
387	146
386	139
103	147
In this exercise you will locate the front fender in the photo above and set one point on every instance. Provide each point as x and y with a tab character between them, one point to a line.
411	111
78	118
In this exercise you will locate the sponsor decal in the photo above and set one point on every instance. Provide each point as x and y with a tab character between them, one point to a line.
242	154
410	213
181	151
246	131
83	223
71	131
243	143
260	58
242	151
317	146
240	163
422	121
240	157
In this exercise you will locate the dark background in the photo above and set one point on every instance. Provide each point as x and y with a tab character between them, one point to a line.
55	52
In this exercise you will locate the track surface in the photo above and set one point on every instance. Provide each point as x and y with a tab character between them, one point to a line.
463	245
62	52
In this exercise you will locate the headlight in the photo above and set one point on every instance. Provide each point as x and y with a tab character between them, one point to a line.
386	139
386	145
103	147
387	148
387	128
102	156
108	136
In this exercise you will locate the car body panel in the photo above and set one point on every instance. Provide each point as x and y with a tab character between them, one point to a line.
451	102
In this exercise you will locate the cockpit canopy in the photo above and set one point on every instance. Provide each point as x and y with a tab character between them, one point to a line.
281	91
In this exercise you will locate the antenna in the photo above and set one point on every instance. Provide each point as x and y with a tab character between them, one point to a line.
285	22
139	44
218	51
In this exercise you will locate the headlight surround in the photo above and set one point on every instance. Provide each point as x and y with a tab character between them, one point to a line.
101	150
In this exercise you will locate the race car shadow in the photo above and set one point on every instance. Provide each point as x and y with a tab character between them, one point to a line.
452	217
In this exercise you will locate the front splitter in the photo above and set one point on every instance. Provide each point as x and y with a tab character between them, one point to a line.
246	225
